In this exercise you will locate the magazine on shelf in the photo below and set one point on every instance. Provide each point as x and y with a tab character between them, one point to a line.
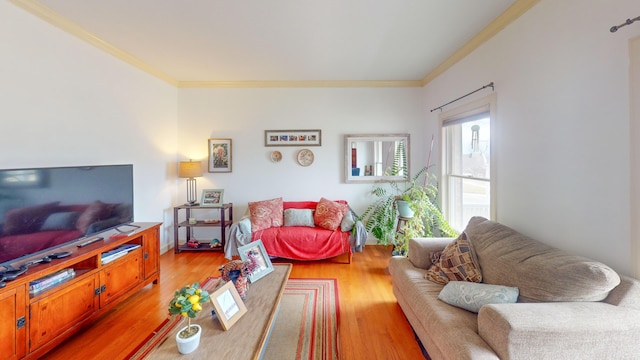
117	252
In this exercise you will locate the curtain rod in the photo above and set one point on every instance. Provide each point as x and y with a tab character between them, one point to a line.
464	96
628	22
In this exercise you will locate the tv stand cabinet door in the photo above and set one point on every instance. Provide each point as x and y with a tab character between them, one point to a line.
151	256
13	327
120	276
60	311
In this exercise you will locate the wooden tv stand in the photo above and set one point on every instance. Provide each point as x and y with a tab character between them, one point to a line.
30	325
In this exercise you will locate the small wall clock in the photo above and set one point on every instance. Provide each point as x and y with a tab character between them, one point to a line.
305	157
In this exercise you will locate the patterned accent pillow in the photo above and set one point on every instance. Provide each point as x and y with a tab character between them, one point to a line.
266	214
472	296
457	263
435	257
329	214
298	217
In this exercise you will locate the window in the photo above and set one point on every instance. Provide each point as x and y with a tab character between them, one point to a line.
467	188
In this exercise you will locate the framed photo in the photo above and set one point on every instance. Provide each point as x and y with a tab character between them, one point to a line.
256	249
227	305
219	155
292	137
212	197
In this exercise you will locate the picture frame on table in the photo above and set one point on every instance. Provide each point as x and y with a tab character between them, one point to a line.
256	248
212	197
293	137
219	155
227	305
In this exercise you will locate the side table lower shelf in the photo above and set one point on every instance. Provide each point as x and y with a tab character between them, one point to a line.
224	223
202	246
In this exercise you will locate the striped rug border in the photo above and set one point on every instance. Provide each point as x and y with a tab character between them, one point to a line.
159	335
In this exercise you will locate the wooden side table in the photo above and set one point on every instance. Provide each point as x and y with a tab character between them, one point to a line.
225	221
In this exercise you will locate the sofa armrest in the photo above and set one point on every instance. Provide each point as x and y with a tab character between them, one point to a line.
562	330
626	294
420	250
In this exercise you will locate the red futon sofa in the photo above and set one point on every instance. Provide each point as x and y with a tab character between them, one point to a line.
298	230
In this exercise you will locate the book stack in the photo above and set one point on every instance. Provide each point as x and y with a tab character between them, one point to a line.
50	281
117	252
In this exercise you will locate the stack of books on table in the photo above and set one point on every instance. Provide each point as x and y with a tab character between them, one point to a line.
50	281
115	253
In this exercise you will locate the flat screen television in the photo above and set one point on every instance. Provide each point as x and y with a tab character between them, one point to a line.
44	208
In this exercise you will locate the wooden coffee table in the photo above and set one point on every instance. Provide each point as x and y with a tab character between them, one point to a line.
247	338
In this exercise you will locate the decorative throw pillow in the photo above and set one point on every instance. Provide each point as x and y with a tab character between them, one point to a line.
472	296
435	257
298	217
457	263
266	214
347	221
329	214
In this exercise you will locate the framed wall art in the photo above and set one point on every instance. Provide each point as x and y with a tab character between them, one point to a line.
256	249
227	304
292	137
219	155
212	197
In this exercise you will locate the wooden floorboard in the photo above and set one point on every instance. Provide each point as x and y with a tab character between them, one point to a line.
372	325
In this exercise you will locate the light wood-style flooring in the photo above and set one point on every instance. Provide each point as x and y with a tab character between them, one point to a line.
372	325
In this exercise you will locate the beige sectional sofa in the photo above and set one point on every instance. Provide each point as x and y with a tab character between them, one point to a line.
569	307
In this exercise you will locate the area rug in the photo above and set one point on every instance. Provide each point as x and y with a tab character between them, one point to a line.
306	326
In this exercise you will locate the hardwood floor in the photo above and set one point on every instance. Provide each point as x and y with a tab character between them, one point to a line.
372	325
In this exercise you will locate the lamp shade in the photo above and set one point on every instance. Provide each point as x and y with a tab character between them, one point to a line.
190	169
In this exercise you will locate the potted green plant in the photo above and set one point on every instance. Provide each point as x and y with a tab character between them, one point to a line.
419	193
427	219
188	302
380	218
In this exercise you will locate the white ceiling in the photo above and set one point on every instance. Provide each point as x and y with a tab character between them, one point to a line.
284	40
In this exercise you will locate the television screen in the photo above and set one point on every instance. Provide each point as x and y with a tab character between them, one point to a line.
44	208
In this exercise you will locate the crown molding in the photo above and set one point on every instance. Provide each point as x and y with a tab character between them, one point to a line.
512	13
508	16
57	20
300	84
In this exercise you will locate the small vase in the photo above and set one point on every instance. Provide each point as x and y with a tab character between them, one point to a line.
188	345
404	209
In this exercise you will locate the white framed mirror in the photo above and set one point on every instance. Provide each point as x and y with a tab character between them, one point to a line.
376	157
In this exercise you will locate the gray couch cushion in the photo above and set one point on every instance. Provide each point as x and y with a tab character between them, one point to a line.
560	331
541	272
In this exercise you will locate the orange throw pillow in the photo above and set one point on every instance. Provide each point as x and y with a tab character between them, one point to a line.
329	214
266	214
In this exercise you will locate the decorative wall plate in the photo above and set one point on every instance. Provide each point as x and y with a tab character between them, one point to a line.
305	157
276	156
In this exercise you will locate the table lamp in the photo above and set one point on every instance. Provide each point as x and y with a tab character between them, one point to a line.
190	170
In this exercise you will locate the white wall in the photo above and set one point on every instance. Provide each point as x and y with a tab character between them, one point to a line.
562	130
634	133
244	114
64	102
